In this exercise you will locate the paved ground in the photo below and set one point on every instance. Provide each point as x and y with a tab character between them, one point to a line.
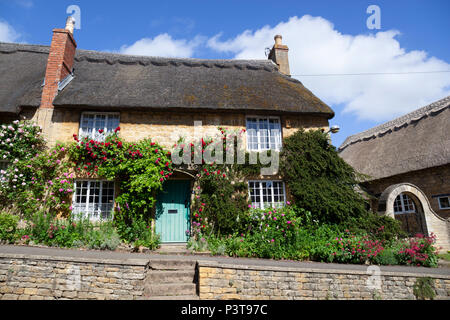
97	254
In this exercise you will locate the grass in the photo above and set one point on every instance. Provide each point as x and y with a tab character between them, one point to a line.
445	256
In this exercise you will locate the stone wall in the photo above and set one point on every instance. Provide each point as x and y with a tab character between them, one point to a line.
39	277
25	277
164	127
269	283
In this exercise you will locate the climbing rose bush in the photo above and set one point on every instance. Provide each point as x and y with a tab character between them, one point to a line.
140	168
34	178
20	140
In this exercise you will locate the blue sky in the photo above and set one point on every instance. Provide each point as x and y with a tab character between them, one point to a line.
323	36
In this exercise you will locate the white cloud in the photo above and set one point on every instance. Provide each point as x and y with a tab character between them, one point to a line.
316	47
163	45
7	32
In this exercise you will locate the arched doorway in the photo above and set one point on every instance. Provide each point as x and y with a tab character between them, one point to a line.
409	212
407	198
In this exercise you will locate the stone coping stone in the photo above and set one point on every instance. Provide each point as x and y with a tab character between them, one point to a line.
128	262
217	264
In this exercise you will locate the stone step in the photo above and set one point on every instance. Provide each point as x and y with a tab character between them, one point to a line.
170	276
171	264
194	297
170	289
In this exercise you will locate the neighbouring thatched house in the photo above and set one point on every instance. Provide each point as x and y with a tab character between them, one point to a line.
408	164
69	91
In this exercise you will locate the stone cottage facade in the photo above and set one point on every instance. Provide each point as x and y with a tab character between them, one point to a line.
69	91
407	161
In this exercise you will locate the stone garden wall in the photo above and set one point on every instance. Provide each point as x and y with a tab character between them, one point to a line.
27	277
269	283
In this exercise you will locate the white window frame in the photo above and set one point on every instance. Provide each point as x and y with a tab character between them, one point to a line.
403	204
279	139
273	204
439	202
93	133
91	215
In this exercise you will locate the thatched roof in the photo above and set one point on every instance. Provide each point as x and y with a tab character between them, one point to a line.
415	141
22	71
108	81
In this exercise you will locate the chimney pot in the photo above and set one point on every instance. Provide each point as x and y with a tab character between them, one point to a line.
278	39
70	24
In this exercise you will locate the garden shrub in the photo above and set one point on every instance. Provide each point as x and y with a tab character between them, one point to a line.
8	227
419	251
386	257
35	179
103	237
138	232
319	180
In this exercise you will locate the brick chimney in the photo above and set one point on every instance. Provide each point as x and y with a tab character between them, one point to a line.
59	63
279	55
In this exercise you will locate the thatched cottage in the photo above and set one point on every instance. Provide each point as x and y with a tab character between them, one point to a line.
407	161
69	91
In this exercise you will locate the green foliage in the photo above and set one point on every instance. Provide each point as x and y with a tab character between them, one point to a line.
8	227
72	232
35	179
138	232
20	140
104	237
418	251
379	227
219	205
387	257
424	288
319	180
141	169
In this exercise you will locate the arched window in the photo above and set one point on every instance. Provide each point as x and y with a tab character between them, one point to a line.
404	204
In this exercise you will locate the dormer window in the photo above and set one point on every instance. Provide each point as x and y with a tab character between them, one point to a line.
92	122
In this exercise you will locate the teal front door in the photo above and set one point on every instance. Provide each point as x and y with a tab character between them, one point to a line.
172	211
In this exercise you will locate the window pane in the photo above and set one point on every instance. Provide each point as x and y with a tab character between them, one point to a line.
92	123
252	134
94	199
263	133
264	194
444	202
